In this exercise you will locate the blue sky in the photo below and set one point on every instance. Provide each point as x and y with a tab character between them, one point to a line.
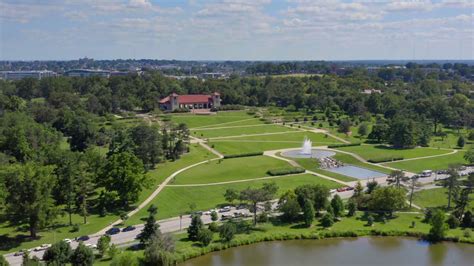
236	29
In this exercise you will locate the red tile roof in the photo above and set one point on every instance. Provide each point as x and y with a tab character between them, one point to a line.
189	98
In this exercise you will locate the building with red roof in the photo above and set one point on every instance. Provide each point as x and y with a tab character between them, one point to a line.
190	101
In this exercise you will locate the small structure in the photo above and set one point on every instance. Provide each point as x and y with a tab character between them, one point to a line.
190	101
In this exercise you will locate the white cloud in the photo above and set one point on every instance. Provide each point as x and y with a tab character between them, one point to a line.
414	5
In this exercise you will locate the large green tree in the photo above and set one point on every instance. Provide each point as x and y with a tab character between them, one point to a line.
387	199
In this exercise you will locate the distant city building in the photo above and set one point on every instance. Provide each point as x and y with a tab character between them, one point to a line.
87	73
212	75
190	101
36	74
370	91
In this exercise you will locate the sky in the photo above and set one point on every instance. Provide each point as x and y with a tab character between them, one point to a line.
236	29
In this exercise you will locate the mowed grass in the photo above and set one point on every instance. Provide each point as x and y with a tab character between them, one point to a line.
294	137
174	201
436	197
194	121
229	170
436	163
162	170
239	147
380	151
238	131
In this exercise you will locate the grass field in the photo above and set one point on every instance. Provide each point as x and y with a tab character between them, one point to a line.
238	147
173	201
379	151
436	163
229	170
194	121
237	131
434	198
295	137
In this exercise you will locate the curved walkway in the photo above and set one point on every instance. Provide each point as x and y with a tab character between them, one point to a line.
425	157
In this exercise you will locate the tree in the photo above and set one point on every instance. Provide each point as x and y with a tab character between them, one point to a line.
403	133
231	195
351	207
387	199
327	220
256	195
469	155
318	194
227	231
82	132
124	173
27	261
205	237
308	213
103	244
151	227
379	132
372	186
337	205
125	259
452	184
438	227
397	177
113	251
345	126
58	254
195	227
467	220
29	197
461	142
413	184
362	130
82	256
214	216
147	144
453	222
159	250
289	207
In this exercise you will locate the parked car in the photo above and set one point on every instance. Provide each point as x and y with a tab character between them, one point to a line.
113	231
20	252
241	207
129	228
426	173
67	240
238	214
226	217
349	188
42	247
225	209
93	246
83	238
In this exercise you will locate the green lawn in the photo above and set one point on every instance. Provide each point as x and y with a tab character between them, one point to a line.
434	198
239	123
238	147
207	120
173	201
436	163
451	140
379	151
162	170
237	131
229	170
294	137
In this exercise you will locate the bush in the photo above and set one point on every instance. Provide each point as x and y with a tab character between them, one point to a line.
343	145
205	237
327	220
467	233
213	227
249	154
75	228
351	208
385	159
453	222
227	231
286	171
370	220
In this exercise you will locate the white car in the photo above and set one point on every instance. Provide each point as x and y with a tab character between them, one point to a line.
42	247
67	240
93	246
225	209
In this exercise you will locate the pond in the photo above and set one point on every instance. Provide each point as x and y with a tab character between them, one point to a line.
385	251
315	153
356	172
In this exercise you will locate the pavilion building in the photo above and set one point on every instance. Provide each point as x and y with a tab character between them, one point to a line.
190	101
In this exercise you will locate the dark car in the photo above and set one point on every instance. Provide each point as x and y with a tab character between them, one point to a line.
129	228
83	238
113	231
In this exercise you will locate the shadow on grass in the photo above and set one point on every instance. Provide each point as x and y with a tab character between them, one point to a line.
8	242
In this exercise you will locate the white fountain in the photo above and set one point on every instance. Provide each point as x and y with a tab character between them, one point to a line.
307	147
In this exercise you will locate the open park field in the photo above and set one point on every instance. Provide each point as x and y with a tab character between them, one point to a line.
229	170
435	163
434	198
380	151
195	121
241	130
173	201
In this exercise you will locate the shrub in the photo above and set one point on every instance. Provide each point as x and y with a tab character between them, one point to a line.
205	237
370	220
467	233
249	154
286	171
213	227
351	208
452	222
327	220
75	228
385	159
343	145
227	231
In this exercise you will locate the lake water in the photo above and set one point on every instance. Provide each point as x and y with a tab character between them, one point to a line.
356	172
386	251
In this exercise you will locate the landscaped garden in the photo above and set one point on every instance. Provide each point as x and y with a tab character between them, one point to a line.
374	152
435	163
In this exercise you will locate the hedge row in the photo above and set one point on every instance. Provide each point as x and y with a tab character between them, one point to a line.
343	145
385	159
286	171
249	154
